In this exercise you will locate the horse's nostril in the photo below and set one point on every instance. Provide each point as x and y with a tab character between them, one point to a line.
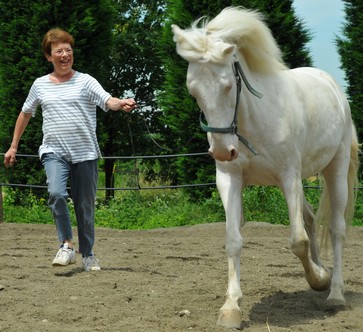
234	154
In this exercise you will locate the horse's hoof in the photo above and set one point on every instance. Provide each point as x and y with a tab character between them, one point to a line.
336	302
230	319
336	299
320	280
320	285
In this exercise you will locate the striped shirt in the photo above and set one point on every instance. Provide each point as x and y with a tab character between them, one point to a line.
69	115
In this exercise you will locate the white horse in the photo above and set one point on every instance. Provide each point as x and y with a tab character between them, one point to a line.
268	125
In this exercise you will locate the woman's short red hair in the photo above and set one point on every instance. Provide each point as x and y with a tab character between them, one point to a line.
53	36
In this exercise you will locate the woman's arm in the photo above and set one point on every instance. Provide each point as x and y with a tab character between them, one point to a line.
21	123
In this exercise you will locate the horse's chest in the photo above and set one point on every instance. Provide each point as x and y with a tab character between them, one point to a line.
260	173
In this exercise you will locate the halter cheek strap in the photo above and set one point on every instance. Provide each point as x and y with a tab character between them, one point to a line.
239	74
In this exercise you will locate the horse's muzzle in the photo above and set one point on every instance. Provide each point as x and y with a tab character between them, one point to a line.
228	155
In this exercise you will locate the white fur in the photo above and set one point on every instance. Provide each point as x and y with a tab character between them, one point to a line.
302	126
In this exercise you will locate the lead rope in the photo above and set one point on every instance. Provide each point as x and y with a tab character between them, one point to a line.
151	136
133	153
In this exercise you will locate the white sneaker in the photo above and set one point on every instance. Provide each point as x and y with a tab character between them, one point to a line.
91	263
64	256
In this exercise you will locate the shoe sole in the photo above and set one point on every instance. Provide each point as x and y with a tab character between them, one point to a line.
94	268
55	264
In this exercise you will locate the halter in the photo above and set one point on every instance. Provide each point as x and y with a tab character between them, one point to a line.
239	74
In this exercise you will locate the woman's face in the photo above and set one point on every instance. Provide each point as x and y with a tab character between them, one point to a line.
61	57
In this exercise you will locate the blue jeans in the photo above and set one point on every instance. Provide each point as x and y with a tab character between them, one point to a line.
83	178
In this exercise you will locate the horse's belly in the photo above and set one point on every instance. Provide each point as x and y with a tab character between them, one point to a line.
274	171
260	174
315	163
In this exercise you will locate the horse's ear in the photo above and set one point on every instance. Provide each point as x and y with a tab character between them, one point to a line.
178	33
228	49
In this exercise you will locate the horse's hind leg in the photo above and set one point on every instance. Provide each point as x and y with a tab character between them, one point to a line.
337	186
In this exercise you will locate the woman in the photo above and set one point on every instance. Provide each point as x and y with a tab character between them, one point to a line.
69	149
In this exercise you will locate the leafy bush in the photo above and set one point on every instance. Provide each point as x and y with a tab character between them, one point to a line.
147	209
128	210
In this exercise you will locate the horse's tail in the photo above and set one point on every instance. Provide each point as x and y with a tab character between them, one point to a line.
352	176
323	214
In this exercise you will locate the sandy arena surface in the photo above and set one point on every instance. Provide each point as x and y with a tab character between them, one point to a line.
150	278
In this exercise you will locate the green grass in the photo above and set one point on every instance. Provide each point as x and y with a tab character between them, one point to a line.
148	209
156	209
144	209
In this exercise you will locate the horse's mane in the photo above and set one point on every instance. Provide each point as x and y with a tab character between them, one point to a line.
236	26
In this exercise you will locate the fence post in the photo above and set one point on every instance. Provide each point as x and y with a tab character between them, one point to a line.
1	205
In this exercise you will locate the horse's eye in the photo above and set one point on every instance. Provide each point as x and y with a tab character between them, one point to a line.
227	88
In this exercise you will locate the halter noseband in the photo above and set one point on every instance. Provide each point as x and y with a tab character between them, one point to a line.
239	74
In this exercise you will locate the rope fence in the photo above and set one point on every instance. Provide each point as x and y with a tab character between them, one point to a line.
138	187
124	188
125	158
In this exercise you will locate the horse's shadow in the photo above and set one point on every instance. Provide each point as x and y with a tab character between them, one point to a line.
288	309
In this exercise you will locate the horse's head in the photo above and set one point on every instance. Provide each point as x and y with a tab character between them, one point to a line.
211	81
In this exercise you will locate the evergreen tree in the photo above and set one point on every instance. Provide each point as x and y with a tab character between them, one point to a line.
114	42
135	71
350	49
181	111
23	25
289	31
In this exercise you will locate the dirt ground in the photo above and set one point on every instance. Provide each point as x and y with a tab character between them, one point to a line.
168	280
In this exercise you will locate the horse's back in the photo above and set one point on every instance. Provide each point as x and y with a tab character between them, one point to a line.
302	124
320	91
328	122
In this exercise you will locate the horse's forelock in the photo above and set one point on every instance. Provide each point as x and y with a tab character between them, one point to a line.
198	45
192	45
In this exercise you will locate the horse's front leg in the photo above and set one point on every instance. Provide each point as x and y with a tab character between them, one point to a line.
229	186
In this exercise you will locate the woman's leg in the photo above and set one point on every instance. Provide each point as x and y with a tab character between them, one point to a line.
84	178
57	171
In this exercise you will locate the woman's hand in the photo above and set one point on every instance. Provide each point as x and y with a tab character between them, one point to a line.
10	157
129	104
116	104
